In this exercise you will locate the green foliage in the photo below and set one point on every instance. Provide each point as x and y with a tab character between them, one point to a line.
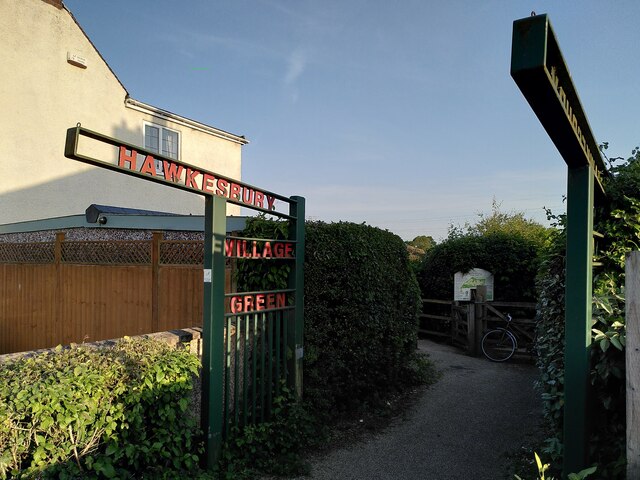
361	307
423	242
362	302
417	248
619	221
274	447
543	468
512	259
101	413
513	224
267	274
506	244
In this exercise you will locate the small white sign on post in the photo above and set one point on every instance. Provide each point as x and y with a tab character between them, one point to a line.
464	282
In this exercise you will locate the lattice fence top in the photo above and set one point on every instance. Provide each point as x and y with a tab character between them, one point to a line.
42	252
126	252
122	252
182	253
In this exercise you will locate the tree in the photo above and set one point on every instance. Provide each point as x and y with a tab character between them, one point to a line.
510	223
506	244
423	242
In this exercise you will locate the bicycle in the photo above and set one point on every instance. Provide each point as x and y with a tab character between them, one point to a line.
499	344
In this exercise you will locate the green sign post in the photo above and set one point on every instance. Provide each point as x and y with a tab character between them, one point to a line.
272	307
539	70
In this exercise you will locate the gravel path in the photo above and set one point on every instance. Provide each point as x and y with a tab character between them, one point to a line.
461	428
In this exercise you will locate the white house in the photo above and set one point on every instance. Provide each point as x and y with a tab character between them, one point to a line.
52	78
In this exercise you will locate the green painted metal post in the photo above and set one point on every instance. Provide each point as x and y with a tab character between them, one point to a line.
295	331
215	230
578	301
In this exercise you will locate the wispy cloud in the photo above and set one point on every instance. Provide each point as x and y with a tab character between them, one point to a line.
296	64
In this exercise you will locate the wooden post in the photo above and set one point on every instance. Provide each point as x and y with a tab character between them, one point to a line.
632	352
472	346
481	297
58	333
155	281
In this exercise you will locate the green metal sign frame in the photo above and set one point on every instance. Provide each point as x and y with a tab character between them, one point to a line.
539	70
217	190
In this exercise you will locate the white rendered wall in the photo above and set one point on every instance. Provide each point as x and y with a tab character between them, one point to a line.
41	95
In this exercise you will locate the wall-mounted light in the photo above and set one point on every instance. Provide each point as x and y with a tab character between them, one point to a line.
102	220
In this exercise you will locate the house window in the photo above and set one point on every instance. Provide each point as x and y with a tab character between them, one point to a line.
162	140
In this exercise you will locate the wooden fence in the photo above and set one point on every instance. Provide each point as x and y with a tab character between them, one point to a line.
66	292
463	323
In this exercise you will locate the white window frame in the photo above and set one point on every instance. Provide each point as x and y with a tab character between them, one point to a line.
145	123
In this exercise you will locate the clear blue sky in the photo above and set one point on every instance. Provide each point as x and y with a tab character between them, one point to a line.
400	114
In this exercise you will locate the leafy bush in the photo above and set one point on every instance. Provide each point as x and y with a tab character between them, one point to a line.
361	307
618	220
97	412
274	447
512	259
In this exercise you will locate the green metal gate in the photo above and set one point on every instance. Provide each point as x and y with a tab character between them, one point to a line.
252	341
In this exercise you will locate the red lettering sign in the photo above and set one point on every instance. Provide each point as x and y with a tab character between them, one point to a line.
189	180
222	187
234	192
257	302
149	166
259	198
258	249
207	182
131	159
174	172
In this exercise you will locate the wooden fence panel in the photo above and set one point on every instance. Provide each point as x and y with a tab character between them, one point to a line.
81	291
99	302
181	291
27	307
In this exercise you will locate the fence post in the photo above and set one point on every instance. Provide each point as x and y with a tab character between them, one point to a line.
215	227
632	354
295	333
481	297
155	281
58	330
471	329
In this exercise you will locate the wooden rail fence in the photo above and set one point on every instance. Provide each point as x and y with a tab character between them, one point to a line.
66	292
464	323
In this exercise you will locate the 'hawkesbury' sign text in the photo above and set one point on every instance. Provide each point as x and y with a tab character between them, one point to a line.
192	178
133	160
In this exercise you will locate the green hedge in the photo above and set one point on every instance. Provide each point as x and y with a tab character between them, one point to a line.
98	413
361	308
512	259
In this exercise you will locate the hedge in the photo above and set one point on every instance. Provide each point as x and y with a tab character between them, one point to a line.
512	259
98	412
362	305
361	309
618	219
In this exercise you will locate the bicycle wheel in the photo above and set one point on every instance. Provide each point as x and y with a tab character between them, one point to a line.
498	345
